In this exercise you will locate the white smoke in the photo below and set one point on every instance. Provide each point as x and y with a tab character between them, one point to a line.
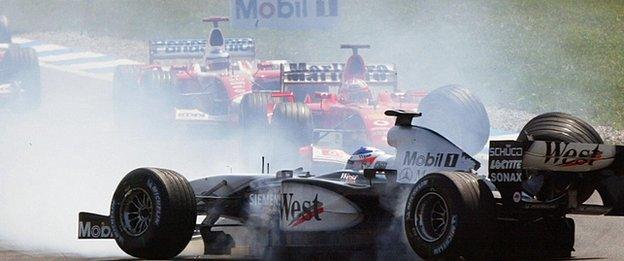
69	156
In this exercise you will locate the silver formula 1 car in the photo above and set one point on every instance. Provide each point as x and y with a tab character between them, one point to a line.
427	200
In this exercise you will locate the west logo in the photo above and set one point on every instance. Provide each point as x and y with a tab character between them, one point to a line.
560	154
414	158
298	212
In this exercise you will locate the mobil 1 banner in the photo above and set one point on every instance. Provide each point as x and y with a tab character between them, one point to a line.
284	14
505	168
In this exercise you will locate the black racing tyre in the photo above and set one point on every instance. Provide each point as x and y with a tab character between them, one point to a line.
157	84
253	110
293	121
291	128
23	64
153	213
457	114
5	32
610	189
449	215
254	125
563	127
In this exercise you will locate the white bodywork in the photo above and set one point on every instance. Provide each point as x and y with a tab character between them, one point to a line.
312	208
421	151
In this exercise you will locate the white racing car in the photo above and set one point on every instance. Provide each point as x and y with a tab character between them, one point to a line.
428	196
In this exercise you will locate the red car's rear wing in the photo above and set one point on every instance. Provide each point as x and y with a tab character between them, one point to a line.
331	74
241	48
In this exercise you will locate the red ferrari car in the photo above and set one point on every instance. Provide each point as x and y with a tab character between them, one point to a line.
204	83
338	107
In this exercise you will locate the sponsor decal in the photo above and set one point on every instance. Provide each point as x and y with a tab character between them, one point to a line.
517	197
348	177
507	151
408	175
196	115
506	177
157	201
449	237
190	46
415	158
88	230
505	164
296	212
505	169
332	73
562	155
286	14
264	199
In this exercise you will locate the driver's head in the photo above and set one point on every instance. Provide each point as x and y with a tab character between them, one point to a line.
364	158
355	91
217	60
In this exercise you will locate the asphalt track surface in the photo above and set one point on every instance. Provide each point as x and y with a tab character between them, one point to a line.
70	155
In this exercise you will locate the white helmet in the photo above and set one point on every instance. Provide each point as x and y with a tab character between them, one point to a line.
368	158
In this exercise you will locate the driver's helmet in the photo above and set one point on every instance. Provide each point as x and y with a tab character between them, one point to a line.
355	91
217	60
365	158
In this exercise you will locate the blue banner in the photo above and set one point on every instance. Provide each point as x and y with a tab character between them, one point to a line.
284	14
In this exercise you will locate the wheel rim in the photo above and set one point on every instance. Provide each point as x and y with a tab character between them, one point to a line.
136	212
432	217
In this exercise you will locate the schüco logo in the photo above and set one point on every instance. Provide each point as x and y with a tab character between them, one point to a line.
264	9
297	212
507	151
94	231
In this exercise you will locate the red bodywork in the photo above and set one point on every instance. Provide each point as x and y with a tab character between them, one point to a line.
212	96
359	122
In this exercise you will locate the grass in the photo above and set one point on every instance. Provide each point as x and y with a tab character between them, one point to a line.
561	55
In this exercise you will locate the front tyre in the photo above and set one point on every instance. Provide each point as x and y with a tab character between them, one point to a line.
447	216
153	213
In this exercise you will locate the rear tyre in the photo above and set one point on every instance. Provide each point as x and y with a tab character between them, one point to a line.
255	126
24	63
153	213
562	127
5	32
458	115
291	129
253	111
449	215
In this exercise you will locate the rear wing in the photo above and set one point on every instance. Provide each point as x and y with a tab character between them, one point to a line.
238	48
331	74
508	161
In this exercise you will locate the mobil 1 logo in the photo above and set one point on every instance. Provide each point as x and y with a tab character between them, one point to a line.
505	168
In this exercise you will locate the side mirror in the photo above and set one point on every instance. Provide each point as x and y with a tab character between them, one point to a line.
391	174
